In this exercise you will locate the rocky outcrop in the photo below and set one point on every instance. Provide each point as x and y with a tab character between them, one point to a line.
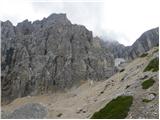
27	111
48	55
145	42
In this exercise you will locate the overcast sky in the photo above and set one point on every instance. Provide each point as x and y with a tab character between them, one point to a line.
121	20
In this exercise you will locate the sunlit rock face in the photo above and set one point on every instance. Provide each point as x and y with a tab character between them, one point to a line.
48	55
145	42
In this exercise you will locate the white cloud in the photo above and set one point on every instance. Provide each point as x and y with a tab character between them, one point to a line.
123	20
131	17
15	11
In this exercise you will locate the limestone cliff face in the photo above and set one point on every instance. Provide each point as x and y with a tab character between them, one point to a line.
145	42
48	55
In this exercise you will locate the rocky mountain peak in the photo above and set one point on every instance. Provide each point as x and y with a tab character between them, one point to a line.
24	27
48	55
7	30
7	23
27	27
56	19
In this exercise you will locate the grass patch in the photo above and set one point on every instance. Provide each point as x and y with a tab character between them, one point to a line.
144	55
59	115
116	109
121	70
147	83
146	100
127	86
153	65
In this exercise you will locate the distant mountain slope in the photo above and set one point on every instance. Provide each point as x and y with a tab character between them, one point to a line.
145	42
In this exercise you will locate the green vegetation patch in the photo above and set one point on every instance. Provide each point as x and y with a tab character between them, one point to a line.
147	83
122	70
153	65
146	100
116	109
127	86
144	55
59	115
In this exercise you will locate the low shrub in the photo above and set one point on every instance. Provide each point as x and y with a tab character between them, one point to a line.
153	65
147	83
122	70
127	86
59	115
146	100
116	109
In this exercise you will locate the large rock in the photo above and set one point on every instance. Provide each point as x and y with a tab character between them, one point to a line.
27	111
48	55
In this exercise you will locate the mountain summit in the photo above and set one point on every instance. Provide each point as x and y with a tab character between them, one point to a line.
49	55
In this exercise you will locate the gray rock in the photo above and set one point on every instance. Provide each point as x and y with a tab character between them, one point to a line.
28	111
4	114
150	96
145	42
49	55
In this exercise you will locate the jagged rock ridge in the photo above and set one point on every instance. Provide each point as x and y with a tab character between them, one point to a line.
145	42
48	55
